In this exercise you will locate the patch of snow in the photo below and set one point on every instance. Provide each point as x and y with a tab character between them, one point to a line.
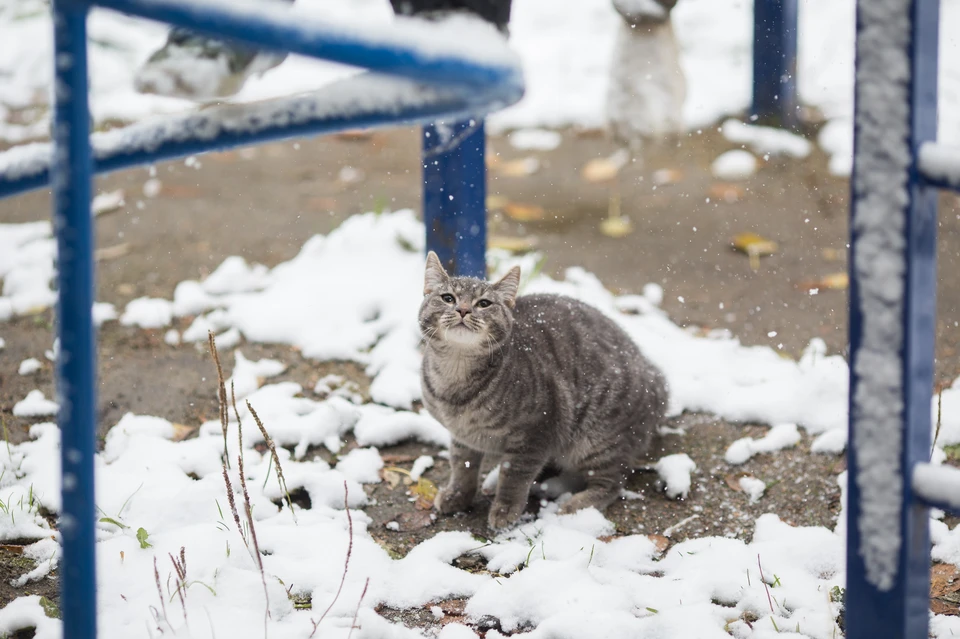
362	465
736	164
753	487
941	163
420	466
248	375
148	312
172	337
937	484
29	366
106	202
535	140
674	471
766	140
103	312
35	405
779	437
26	613
228	339
831	442
234	275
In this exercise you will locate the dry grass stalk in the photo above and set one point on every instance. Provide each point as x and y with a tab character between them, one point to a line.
353	624
156	578
346	564
276	460
221	395
180	568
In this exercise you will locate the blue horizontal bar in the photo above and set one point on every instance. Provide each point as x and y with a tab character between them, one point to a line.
330	110
442	52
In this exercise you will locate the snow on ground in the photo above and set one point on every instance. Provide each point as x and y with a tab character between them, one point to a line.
566	56
563	575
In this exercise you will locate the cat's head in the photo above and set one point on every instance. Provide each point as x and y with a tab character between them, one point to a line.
465	312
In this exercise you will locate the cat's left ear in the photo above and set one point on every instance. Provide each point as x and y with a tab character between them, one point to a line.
435	276
508	286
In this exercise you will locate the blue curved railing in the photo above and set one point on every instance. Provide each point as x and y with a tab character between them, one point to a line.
419	73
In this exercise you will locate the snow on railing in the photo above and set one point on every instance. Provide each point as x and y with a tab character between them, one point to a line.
939	486
940	164
360	101
460	49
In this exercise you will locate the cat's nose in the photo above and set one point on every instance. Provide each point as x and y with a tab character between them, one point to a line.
463	311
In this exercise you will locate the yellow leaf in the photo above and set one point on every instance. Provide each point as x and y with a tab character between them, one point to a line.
755	247
618	226
605	169
523	212
512	244
425	488
182	431
496	202
517	168
836	281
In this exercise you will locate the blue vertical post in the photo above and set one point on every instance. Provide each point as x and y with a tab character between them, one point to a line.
454	195
775	61
76	366
896	53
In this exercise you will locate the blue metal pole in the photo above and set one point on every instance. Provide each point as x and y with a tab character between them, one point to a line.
454	195
76	365
775	61
895	114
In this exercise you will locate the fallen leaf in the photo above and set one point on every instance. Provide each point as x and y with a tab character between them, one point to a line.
107	202
512	244
111	252
605	169
729	193
396	458
733	480
754	246
663	177
12	548
661	542
523	212
425	491
835	281
453	606
496	202
182	431
414	520
517	168
616	227
391	477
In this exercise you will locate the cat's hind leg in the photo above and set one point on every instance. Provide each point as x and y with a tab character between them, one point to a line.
605	472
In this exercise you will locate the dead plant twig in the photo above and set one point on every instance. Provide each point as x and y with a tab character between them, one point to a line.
346	563
353	624
221	395
765	586
276	460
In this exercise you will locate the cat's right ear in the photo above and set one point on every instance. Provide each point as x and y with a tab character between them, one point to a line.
435	276
508	286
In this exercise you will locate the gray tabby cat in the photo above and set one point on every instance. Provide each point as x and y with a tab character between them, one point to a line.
532	380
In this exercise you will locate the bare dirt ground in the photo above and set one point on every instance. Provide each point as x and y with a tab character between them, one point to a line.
263	203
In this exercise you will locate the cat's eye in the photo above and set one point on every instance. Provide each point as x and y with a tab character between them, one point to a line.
448	298
484	303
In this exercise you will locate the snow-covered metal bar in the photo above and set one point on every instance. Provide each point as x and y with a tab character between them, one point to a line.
892	313
940	165
362	101
460	50
76	362
937	486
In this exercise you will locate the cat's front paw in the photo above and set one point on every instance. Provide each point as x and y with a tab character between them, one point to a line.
453	499
503	514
